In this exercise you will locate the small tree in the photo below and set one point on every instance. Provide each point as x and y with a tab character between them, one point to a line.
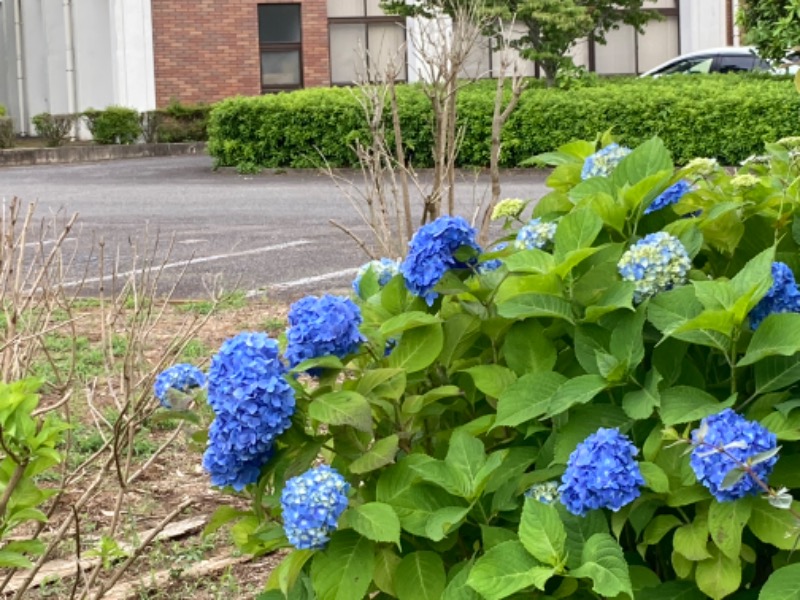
772	26
554	26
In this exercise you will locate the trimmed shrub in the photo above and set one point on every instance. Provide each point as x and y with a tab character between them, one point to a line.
6	132
728	117
183	122
54	129
2	111
114	125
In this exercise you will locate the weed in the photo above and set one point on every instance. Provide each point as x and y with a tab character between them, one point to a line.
195	350
230	301
274	325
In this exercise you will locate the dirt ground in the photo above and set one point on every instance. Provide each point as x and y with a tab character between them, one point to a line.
188	565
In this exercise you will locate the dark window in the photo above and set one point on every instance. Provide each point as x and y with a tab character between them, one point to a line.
733	64
281	45
359	28
697	64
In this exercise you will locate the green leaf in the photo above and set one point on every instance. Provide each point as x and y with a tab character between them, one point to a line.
655	478
386	562
445	520
618	296
418	348
778	334
773	525
492	380
376	521
406	321
284	576
15	560
719	575
536	305
506	569
528	398
465	455
579	530
777	372
460	332
420	576
684	404
726	520
640	404
578	390
527	349
457	588
542	532
530	261
584	421
575	231
649	158
377	379
381	454
674	590
222	516
603	563
343	571
660	526
342	408
691	541
783	584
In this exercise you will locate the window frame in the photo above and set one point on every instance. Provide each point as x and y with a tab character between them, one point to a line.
278	47
367	20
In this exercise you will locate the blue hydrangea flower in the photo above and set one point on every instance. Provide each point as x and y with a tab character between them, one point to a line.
253	404
601	473
655	264
495	263
546	492
324	326
721	443
671	195
312	504
782	297
535	234
384	269
431	254
602	162
181	377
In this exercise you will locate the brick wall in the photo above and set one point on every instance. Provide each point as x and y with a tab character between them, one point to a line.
206	50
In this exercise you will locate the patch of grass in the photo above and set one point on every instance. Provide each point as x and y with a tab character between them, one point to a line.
193	351
230	301
274	325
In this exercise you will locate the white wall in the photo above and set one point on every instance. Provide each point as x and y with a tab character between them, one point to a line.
113	49
702	25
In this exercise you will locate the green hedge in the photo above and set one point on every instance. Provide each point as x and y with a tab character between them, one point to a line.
728	117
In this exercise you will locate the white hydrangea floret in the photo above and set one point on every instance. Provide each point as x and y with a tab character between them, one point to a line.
510	208
655	264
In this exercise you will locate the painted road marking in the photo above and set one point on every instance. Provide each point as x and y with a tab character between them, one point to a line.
285	285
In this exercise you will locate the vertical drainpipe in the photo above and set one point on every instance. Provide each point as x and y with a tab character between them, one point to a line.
69	55
23	122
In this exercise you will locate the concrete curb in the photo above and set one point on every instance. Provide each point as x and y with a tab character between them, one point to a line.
18	157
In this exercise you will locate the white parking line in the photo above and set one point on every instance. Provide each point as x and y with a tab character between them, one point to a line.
285	285
193	261
48	242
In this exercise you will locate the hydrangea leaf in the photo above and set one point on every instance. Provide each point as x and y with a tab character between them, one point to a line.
675	590
649	158
530	261
583	421
386	561
579	530
645	191
386	383
786	428
773	525
691	540
492	380
627	343
506	569
381	454
783	584
778	334
376	521
602	562
344	570
413	502
575	231
408	320
542	533
420	576
660	526
342	408
460	332
655	477
683	404
284	576
718	576
444	521
726	520
578	390
527	349
528	398
618	296
418	348
612	212
457	588
639	404
524	306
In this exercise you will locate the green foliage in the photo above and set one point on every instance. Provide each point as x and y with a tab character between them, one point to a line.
53	128
183	122
487	393
6	132
2	111
772	26
114	125
310	127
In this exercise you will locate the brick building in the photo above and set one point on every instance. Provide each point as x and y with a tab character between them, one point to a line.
66	56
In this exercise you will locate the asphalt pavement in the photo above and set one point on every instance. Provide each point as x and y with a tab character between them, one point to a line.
263	234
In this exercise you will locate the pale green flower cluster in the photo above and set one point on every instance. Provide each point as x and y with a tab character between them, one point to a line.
655	264
702	166
745	181
510	208
546	492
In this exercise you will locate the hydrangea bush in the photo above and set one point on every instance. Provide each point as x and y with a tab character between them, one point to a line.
609	414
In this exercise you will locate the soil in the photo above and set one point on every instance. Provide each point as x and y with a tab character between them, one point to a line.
175	476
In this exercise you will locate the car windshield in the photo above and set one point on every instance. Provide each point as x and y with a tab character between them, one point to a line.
697	64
